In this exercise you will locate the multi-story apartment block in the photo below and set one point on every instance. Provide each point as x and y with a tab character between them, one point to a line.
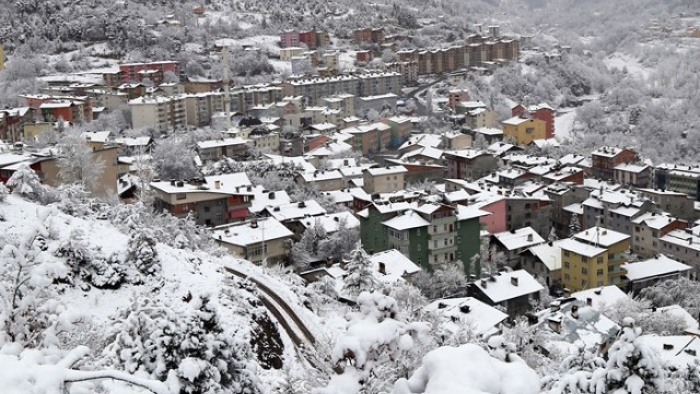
428	234
636	175
469	164
369	84
247	96
676	204
649	228
12	123
594	258
161	114
137	72
678	178
312	39
201	107
683	246
605	159
562	196
368	34
615	210
383	179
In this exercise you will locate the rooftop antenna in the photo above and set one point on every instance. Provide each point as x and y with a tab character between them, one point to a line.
598	219
227	94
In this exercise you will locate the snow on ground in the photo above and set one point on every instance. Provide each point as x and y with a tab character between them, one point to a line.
347	60
268	44
281	66
621	61
564	124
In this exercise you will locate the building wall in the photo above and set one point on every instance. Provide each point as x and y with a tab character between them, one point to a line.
468	244
525	132
573	276
383	183
496	222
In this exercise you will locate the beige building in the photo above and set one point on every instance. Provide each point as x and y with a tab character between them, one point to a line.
331	60
201	106
289	53
2	57
255	240
384	179
160	113
321	180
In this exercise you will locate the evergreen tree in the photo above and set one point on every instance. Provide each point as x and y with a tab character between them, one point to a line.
359	276
26	183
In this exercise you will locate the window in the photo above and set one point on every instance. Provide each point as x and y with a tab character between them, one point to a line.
418	231
599	272
600	283
600	260
418	249
207	209
584	271
567	265
611	256
566	253
584	259
180	196
567	277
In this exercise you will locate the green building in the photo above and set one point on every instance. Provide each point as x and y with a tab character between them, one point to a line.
430	234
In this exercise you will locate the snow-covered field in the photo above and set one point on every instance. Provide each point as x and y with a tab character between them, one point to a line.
632	65
564	124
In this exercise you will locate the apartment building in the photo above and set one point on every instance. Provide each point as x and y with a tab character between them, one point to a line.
213	200
542	111
606	158
683	246
678	178
154	71
368	84
200	107
469	163
649	228
522	131
162	114
594	258
383	179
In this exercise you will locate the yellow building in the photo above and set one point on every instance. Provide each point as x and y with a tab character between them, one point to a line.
2	57
593	258
523	131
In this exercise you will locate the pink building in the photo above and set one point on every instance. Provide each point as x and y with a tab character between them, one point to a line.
289	39
496	222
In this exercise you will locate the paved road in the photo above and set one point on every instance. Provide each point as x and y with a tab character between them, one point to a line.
269	299
421	110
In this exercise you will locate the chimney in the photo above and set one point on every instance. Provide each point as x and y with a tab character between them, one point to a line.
554	324
529	238
217	185
382	268
514	280
574	312
589	301
484	283
465	309
566	293
668	346
554	306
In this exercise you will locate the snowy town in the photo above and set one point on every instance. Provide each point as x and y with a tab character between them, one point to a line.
220	198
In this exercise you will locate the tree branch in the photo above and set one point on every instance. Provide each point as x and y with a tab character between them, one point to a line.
154	386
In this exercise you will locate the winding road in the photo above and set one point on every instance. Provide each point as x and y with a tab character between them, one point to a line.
275	304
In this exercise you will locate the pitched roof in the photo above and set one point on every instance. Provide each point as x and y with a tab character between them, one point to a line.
504	287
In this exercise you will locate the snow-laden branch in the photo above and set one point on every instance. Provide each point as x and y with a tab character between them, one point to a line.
154	386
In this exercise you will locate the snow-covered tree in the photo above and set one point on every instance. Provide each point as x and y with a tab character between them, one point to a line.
446	281
77	162
552	235
141	252
359	276
26	183
574	225
187	344
377	348
681	291
173	159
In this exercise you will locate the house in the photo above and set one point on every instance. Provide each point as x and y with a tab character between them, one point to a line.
523	131
256	240
562	196
383	179
615	210
214	150
332	222
469	163
515	291
543	112
606	158
602	297
544	261
512	243
391	266
636	175
154	71
675	203
265	198
682	246
652	271
321	180
292	214
649	228
213	200
594	258
675	352
468	313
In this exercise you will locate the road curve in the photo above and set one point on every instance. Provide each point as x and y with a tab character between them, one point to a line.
268	293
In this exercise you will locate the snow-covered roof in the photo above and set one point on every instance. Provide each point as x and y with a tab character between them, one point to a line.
264	198
546	143
251	233
387	170
489	131
331	221
237	183
655	267
219	143
515	121
518	239
509	285
480	317
676	351
465	153
465	212
98	136
581	248
321	175
296	210
549	254
601	296
635	168
653	220
396	266
408	220
601	236
571	159
607	151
